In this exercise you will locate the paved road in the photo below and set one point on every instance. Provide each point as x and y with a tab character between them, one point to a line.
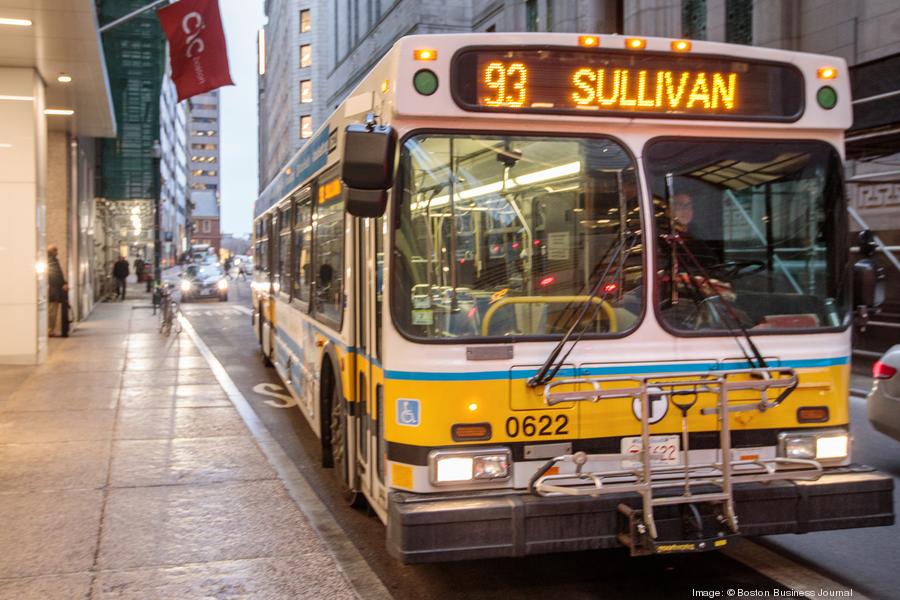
612	574
865	559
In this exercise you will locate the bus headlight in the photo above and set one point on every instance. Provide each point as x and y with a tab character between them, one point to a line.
185	285
460	466
818	445
222	285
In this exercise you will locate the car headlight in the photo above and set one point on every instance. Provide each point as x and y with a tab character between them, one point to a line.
460	466
818	445
185	285
222	285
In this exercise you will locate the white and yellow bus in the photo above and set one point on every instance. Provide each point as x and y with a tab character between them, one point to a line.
547	292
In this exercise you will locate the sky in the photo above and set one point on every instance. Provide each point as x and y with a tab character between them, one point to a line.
238	140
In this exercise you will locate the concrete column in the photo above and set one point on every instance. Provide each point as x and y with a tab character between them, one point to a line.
23	173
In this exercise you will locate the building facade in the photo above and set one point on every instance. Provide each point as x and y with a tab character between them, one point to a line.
205	225
130	164
174	191
203	137
55	97
292	73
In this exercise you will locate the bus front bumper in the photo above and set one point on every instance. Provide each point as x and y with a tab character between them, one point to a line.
428	528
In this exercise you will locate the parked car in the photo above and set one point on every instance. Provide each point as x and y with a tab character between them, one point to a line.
884	399
204	281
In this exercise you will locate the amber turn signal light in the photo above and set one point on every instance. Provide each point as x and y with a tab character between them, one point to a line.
826	73
462	432
812	414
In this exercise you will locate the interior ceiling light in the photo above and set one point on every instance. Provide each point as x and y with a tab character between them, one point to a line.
64	78
59	111
16	22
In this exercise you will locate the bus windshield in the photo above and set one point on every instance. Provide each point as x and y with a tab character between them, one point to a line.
508	235
762	234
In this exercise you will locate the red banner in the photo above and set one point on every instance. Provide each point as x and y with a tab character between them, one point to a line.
197	46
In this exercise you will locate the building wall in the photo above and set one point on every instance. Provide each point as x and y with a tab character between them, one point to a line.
174	190
23	171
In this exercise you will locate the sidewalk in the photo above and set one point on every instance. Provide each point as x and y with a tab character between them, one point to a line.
125	472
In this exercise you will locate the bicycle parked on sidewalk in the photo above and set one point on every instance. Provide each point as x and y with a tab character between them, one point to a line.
169	310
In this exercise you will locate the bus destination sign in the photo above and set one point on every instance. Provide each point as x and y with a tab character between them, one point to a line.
566	81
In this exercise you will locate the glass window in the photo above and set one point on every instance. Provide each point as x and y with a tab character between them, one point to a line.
762	234
328	257
305	56
739	21
693	19
306	126
531	15
548	5
302	249
508	236
284	255
306	91
305	21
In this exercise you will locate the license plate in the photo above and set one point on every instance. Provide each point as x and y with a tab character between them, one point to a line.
664	450
206	292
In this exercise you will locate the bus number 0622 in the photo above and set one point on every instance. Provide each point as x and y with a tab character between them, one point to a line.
532	426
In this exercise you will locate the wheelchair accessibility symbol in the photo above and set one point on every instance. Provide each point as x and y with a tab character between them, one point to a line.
408	412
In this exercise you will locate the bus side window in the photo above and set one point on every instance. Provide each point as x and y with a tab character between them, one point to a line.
284	256
328	254
302	249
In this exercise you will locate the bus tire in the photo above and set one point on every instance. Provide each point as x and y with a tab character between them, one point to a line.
266	359
340	444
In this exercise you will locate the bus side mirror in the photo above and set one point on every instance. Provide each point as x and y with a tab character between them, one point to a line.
367	168
868	284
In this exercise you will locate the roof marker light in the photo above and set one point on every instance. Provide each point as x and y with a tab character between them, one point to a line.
681	46
635	43
588	41
425	54
826	73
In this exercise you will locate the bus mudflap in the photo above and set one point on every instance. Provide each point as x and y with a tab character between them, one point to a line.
433	528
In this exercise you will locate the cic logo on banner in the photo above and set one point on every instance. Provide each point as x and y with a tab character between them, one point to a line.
199	56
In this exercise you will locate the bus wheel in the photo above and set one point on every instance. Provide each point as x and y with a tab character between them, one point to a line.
340	444
266	359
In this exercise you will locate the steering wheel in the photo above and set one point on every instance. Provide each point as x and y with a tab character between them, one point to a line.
735	269
710	313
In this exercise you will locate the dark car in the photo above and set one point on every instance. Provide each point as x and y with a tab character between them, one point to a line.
204	281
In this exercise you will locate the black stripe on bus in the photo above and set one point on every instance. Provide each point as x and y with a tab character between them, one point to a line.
702	440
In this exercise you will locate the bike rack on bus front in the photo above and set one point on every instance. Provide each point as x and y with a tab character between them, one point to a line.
645	478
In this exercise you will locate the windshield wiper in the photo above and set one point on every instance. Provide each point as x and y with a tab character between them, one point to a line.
675	239
552	366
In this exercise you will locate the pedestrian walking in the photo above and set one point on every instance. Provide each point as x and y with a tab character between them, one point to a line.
120	274
139	269
58	294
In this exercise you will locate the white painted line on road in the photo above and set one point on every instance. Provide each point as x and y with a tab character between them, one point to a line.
243	309
785	571
365	582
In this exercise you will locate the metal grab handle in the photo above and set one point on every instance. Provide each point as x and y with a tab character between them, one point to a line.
486	321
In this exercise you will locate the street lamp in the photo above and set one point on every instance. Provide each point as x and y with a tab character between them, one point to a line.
156	154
